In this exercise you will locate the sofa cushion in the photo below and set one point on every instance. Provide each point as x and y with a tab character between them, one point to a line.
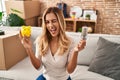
107	59
36	31
81	73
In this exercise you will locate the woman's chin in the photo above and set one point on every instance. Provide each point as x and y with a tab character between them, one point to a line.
53	34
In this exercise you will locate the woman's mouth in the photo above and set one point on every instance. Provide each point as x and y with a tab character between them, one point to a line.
53	30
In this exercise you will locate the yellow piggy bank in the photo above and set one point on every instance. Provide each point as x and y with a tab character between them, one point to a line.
26	31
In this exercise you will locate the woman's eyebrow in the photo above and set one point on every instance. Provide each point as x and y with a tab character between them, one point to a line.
55	19
51	20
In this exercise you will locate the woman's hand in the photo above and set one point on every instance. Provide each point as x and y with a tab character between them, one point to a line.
26	42
81	45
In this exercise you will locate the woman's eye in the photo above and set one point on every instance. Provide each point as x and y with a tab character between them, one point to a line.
46	22
54	21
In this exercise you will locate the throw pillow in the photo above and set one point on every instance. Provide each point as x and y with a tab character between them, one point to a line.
107	59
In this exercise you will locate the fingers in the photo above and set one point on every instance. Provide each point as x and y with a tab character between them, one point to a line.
27	39
82	44
24	39
20	35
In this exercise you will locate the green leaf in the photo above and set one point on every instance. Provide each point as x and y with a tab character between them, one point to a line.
1	14
79	29
14	10
14	20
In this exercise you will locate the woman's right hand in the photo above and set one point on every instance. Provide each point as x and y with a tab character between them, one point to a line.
26	42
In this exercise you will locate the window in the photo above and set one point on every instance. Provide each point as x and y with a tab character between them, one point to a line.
2	9
2	6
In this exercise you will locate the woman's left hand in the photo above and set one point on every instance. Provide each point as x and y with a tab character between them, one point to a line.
81	45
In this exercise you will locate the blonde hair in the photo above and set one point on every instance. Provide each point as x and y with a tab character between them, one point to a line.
45	37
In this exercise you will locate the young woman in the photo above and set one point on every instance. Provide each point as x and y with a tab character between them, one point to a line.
55	51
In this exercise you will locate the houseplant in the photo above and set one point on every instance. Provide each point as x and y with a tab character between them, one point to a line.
87	17
1	15
12	19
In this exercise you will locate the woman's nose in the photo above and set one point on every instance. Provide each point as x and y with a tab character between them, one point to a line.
50	24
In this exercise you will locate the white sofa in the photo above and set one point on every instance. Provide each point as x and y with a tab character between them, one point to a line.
25	71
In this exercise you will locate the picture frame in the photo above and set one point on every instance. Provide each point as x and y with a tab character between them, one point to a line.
90	13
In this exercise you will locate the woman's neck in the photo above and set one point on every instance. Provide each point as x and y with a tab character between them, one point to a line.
54	45
54	39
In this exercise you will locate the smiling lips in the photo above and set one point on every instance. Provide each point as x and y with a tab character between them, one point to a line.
53	29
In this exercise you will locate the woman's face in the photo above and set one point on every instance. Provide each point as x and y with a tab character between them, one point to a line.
52	24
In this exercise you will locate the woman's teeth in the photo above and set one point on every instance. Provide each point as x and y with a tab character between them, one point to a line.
53	30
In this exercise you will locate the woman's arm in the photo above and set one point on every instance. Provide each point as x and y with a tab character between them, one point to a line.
73	59
72	63
35	61
27	43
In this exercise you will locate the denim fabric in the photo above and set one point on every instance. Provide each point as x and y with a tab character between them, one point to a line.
69	78
41	77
